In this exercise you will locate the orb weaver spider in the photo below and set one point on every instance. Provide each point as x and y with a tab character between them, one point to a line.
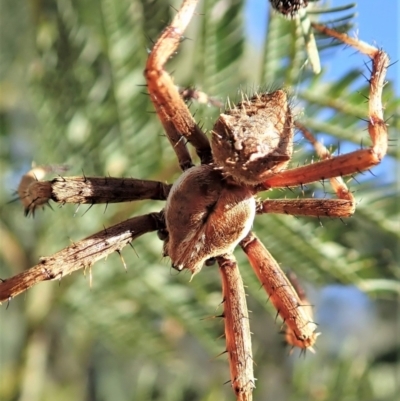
210	209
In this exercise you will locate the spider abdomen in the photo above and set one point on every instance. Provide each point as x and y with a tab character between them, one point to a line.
254	139
206	216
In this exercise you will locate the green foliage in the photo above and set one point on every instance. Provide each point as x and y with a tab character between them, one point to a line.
71	93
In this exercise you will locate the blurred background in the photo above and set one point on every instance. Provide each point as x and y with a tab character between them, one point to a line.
70	93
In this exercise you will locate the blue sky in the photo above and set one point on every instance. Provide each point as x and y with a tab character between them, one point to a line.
377	22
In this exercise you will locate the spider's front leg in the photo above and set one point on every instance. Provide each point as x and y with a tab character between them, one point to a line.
34	192
358	160
170	107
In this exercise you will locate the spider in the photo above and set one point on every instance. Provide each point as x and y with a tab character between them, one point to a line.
210	209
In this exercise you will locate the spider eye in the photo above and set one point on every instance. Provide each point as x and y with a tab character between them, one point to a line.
210	262
162	234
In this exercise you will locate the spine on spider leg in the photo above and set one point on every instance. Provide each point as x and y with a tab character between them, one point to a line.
281	292
237	329
85	190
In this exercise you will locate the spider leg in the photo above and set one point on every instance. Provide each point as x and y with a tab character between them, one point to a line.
82	254
323	153
176	140
358	160
307	207
170	107
290	336
85	190
280	291
342	207
237	329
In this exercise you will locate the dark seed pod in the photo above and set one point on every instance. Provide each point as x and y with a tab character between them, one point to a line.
288	7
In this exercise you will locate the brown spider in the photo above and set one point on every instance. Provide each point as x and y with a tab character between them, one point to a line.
210	209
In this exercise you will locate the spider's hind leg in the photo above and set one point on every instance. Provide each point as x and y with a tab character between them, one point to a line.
280	291
81	254
237	328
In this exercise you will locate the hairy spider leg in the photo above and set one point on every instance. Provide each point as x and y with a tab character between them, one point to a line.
170	107
237	328
280	291
359	160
